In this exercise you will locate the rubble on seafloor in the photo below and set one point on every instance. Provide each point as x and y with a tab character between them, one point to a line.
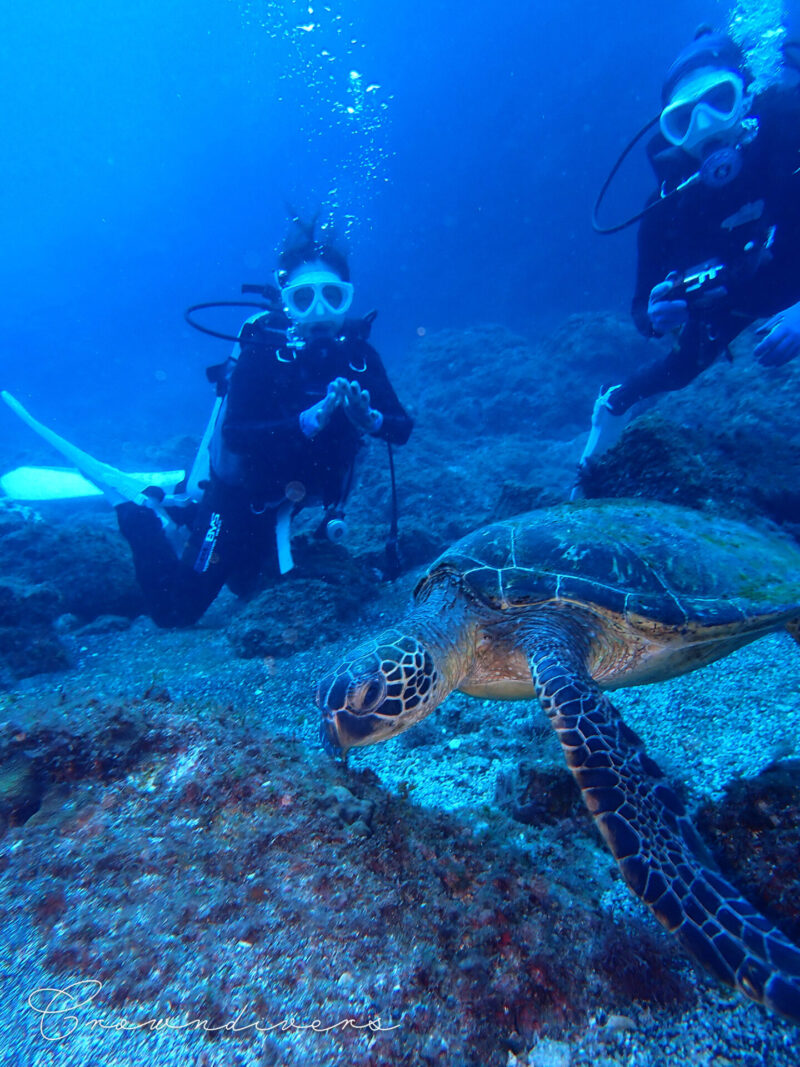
203	868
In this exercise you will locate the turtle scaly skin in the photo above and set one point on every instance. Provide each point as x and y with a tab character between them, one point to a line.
565	605
649	833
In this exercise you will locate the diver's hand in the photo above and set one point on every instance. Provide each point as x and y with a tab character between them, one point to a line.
317	417
666	314
782	341
355	401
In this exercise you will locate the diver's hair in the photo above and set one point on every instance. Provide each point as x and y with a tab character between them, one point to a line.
301	246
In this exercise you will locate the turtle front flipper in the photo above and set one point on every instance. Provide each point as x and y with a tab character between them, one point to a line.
646	826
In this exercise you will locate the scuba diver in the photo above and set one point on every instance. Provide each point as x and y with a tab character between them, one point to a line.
298	395
719	241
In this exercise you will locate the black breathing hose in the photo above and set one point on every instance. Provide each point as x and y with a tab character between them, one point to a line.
223	304
621	159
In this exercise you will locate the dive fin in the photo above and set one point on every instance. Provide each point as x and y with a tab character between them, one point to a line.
47	483
42	484
201	468
283	536
116	485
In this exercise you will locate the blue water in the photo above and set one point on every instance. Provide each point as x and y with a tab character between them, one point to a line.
149	151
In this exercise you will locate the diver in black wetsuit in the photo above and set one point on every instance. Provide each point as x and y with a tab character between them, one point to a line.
300	394
719	241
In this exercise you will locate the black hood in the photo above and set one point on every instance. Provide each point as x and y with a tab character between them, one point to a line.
708	49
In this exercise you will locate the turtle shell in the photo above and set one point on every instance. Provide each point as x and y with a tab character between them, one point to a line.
632	557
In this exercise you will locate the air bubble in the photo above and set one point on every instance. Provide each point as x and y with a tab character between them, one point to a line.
758	27
334	100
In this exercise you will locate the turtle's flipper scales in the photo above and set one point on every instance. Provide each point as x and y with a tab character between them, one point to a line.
658	850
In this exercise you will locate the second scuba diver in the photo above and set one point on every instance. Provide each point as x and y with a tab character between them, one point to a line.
719	241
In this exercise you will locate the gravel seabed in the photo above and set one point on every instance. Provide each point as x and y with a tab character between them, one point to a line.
729	720
732	718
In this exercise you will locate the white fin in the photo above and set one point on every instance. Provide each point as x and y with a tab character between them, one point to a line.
283	536
116	485
47	483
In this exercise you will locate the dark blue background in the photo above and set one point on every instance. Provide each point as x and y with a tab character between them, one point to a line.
149	151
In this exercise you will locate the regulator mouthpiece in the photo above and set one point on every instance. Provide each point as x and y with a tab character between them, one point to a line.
336	529
720	167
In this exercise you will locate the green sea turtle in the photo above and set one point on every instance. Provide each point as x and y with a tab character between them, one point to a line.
564	604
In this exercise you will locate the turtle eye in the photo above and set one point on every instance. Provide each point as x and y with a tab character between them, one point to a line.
371	694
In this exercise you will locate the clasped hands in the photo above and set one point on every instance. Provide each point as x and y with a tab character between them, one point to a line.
353	400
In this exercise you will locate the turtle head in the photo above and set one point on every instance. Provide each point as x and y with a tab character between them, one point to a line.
381	689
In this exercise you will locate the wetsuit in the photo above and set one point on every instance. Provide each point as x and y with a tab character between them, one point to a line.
259	457
751	226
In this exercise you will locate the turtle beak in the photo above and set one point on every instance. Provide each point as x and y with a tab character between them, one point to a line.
327	700
329	735
341	730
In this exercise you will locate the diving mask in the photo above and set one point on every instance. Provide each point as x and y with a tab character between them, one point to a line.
707	105
317	297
